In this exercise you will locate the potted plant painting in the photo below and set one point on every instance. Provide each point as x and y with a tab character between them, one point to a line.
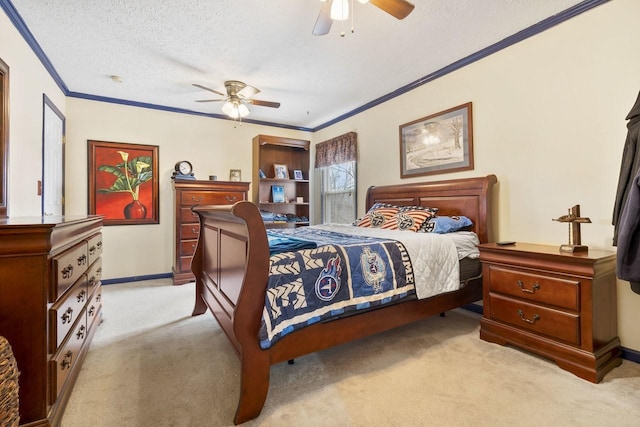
130	175
123	182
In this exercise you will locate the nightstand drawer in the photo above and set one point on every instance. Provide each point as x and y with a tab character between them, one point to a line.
556	324
535	287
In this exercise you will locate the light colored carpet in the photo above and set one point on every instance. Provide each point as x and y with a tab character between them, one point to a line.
152	364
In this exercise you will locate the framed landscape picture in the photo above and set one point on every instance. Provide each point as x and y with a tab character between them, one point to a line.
439	143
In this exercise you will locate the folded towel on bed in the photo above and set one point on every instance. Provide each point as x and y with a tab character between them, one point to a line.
281	243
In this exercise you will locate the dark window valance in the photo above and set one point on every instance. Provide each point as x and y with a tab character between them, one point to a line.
341	149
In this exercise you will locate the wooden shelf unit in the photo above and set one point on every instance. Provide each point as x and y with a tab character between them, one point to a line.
293	153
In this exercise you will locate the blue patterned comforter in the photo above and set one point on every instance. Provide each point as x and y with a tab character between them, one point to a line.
344	274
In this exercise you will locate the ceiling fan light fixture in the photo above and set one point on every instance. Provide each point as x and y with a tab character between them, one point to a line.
340	10
235	109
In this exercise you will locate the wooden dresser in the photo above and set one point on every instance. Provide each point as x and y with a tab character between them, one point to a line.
50	306
188	193
559	305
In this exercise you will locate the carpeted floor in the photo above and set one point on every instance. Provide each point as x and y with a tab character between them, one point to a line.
152	364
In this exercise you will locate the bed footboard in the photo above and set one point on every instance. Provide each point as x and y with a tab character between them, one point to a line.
231	266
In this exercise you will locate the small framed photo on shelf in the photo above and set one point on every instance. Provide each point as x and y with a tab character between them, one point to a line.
281	171
277	193
235	175
297	174
261	174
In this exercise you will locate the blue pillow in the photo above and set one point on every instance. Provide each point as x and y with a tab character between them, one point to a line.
445	224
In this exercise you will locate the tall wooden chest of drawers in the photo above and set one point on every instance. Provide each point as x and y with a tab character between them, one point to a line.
188	193
559	305
50	306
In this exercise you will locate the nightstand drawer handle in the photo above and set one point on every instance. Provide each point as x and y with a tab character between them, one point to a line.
231	199
196	199
536	286
535	317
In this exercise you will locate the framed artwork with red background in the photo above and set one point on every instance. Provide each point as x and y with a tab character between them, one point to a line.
123	182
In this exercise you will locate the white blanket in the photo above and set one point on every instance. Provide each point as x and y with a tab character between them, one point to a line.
433	256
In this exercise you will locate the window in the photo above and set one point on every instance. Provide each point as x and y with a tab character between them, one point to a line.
336	171
338	193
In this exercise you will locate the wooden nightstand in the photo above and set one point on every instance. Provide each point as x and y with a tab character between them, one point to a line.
559	305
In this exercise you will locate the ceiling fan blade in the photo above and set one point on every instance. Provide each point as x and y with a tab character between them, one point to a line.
400	9
248	91
263	103
210	90
209	100
324	21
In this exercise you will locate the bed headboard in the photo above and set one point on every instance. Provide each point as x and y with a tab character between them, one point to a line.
470	197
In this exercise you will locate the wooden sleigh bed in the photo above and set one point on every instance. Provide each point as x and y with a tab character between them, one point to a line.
231	266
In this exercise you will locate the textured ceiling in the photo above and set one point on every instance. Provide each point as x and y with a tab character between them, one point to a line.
161	47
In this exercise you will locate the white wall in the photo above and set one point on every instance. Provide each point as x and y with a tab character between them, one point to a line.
548	120
28	81
213	146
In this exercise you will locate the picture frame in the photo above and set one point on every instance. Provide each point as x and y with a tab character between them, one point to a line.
277	193
123	182
235	175
438	143
297	174
280	171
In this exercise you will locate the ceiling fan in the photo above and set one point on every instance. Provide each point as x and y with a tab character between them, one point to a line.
338	10
236	99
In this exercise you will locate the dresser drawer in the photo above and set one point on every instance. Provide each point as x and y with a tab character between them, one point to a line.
94	308
535	287
189	231
185	263
64	361
94	247
94	275
190	198
64	313
187	216
188	247
541	320
68	267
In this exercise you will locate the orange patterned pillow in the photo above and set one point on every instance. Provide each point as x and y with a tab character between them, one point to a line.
390	217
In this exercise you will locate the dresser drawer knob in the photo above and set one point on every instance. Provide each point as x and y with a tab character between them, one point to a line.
92	310
80	333
193	230
533	290
92	250
81	296
66	362
82	259
67	315
231	199
67	272
536	317
99	244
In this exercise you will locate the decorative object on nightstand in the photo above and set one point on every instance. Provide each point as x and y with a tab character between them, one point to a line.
183	170
559	305
573	219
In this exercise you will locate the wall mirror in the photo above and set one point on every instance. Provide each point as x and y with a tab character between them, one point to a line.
4	138
52	159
